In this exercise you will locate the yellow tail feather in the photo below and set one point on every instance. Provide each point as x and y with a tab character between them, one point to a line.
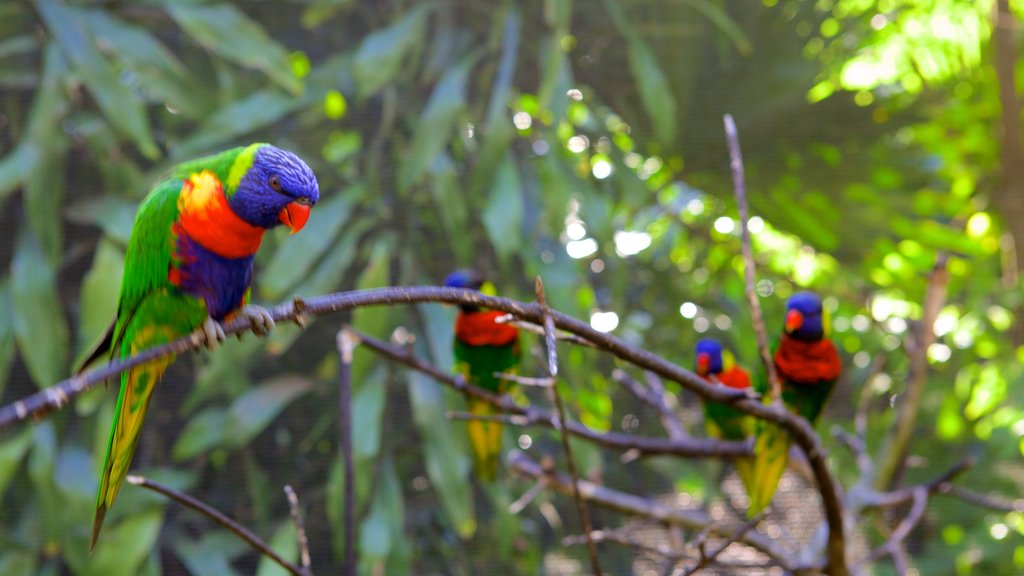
485	440
771	453
132	402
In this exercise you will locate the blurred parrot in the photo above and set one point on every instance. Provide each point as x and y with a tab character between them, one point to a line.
483	347
808	366
188	267
722	420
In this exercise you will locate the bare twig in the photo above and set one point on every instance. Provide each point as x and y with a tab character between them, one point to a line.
894	450
220	518
511	419
527	497
511	320
706	559
347	342
892	545
991	502
644	507
749	268
546	382
300	530
556	398
644	446
669	419
621	537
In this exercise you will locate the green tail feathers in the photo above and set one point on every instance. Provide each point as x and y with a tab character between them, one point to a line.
132	402
485	441
771	454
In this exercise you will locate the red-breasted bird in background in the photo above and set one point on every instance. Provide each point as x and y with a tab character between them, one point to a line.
721	420
483	347
808	366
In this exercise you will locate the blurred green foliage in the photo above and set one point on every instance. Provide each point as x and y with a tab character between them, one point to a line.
580	141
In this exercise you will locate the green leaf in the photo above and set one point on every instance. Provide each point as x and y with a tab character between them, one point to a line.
224	29
44	184
367	409
380	56
203	432
436	124
285	543
18	563
98	299
159	70
12	451
125	544
6	335
238	118
254	410
720	18
498	130
38	319
445	452
381	530
113	215
211	555
122	108
655	92
503	217
16	166
295	257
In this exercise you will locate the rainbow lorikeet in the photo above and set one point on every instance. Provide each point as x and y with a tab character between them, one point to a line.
188	266
483	347
720	419
808	366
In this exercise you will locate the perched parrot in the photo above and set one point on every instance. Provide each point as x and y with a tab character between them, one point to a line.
722	420
809	366
188	267
483	347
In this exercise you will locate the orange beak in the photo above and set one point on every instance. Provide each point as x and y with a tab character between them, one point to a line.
703	364
294	216
794	320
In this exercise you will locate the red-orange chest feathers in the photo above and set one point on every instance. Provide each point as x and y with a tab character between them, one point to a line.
205	216
807	362
480	329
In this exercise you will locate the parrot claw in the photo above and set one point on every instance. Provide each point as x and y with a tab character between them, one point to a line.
211	333
261	320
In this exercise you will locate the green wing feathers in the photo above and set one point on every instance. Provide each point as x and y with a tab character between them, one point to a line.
477	364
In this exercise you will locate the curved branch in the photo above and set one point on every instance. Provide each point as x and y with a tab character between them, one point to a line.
799	429
645	507
220	518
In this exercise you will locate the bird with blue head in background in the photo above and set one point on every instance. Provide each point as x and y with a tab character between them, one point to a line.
808	366
483	347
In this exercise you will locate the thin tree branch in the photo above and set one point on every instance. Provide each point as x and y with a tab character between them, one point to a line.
511	320
545	382
706	559
347	341
801	431
556	398
300	530
669	420
645	446
220	518
892	545
644	507
985	501
894	450
749	268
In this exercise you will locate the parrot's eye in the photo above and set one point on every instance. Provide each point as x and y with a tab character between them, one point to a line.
275	182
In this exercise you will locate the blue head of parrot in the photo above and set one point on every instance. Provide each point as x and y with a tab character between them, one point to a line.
709	357
805	317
